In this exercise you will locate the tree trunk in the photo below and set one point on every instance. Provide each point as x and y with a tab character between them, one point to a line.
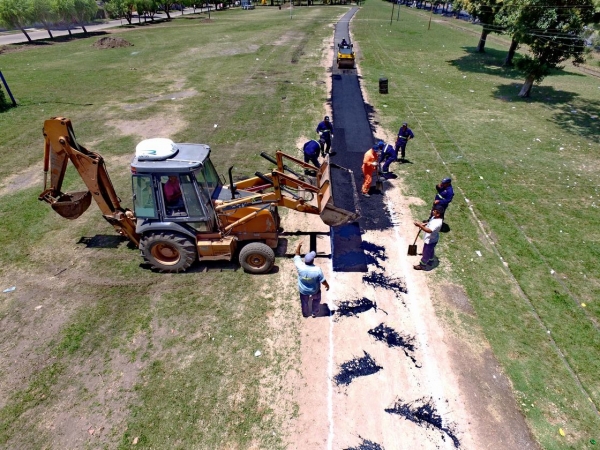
526	89
508	62
25	33
482	39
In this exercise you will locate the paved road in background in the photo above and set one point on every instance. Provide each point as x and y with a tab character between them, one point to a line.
37	34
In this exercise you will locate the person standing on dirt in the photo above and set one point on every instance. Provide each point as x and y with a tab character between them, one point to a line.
369	167
445	194
431	237
325	130
311	152
405	134
388	155
310	278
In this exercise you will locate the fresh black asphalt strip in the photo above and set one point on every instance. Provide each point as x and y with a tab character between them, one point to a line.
353	136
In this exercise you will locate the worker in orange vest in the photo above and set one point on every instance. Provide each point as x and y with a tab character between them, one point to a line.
369	167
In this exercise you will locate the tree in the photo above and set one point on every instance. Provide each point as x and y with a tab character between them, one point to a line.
85	11
42	11
76	11
146	8
15	14
121	8
166	7
553	32
485	11
514	45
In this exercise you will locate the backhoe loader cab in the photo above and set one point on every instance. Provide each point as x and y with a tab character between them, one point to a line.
182	210
175	190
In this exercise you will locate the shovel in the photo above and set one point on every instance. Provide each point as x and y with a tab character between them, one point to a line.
412	249
379	181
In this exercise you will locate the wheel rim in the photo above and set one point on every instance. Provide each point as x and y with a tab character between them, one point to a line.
166	254
256	260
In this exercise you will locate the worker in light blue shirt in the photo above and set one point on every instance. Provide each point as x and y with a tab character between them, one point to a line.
310	278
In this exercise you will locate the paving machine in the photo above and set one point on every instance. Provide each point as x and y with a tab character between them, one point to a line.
210	221
345	56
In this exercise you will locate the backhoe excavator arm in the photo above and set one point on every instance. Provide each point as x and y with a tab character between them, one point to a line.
60	146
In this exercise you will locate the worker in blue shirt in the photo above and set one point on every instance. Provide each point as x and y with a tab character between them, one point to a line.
310	278
444	195
388	155
311	152
405	134
325	130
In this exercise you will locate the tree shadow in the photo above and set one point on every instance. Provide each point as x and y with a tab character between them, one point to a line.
491	63
78	35
539	94
574	114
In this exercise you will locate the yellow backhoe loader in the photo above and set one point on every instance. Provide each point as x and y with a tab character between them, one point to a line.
182	211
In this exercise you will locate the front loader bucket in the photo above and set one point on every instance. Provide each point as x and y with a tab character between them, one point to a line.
332	215
72	205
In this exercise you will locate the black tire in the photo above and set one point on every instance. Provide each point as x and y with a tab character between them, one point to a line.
168	252
257	257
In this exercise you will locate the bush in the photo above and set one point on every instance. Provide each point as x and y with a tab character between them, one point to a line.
3	102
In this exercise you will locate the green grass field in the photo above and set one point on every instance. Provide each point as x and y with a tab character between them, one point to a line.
527	196
527	199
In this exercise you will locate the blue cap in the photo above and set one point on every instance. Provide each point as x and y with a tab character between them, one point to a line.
326	118
381	144
310	257
447	180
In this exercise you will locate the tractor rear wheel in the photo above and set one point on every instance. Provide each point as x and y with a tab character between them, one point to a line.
168	252
257	257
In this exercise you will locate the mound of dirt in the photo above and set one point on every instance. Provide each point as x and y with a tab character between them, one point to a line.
112	42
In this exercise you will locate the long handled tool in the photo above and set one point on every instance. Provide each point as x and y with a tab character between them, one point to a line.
412	249
379	180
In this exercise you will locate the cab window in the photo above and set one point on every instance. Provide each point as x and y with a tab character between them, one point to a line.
211	178
195	209
144	202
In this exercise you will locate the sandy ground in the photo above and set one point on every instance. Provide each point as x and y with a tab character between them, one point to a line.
382	370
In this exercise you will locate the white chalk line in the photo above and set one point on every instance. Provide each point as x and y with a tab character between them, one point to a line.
330	367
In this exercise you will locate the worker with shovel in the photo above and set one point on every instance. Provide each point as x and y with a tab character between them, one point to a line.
310	278
369	167
431	237
388	155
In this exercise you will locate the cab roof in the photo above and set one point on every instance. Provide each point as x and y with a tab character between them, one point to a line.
180	158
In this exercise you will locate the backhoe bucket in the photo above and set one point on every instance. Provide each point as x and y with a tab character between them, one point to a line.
72	205
332	215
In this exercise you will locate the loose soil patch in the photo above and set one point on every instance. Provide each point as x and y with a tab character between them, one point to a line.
111	42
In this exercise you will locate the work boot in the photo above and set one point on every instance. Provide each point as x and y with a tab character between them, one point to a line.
366	194
419	267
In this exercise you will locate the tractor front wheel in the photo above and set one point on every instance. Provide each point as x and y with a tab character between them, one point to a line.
257	257
168	252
